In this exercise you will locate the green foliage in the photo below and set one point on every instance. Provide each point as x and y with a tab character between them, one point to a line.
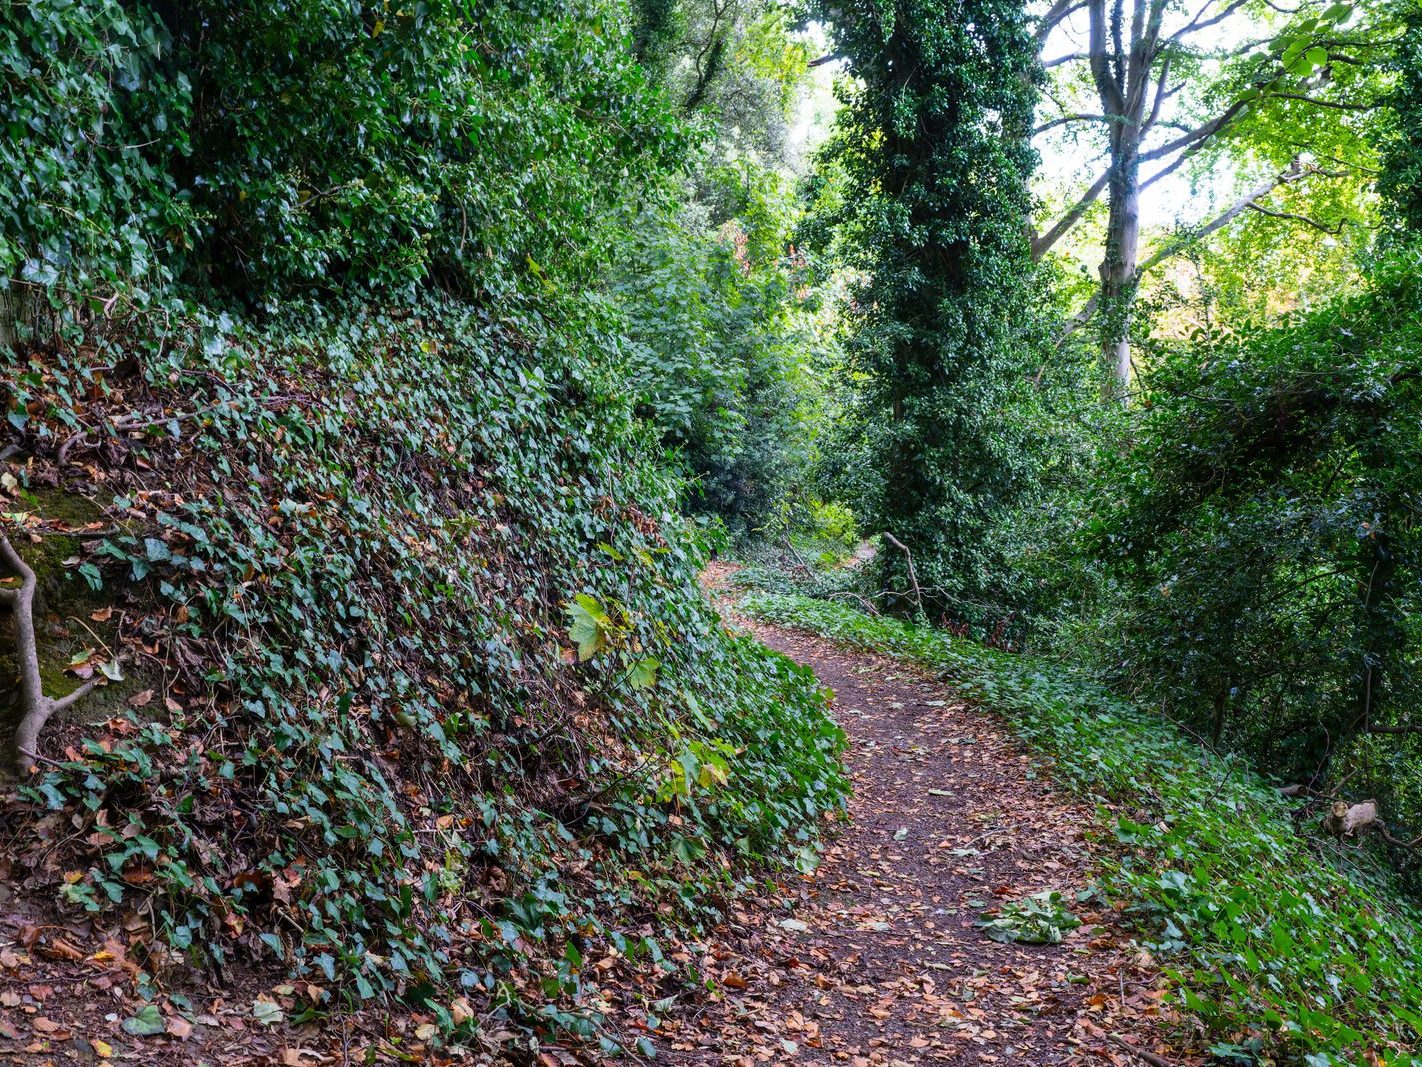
1040	919
84	202
371	567
444	708
725	343
932	206
1263	533
1273	942
733	65
1401	180
295	148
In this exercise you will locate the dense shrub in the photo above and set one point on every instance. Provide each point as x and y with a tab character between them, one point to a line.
356	576
725	346
1263	529
432	701
931	205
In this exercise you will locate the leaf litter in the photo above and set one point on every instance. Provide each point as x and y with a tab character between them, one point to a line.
951	921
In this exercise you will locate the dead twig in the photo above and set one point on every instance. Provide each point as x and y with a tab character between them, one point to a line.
865	601
1145	1057
912	574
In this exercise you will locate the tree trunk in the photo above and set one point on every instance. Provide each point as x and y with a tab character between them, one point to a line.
1118	266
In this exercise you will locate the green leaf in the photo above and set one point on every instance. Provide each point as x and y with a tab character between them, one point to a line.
644	674
266	1012
148	1020
588	627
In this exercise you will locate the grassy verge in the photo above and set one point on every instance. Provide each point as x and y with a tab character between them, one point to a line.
1286	950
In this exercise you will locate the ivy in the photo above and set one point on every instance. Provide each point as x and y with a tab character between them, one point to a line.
308	302
1277	948
933	159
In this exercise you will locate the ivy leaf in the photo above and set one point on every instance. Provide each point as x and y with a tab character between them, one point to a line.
266	1012
644	674
148	1021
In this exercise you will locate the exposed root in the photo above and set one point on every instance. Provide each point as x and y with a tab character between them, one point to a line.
36	708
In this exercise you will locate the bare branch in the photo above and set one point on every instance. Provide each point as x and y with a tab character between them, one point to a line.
1042	245
1289	215
36	708
1067	119
1341	105
1195	24
912	574
1291	174
60	703
1080	319
1060	11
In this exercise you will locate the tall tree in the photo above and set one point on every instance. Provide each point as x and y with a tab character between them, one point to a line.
1291	84
934	141
1401	180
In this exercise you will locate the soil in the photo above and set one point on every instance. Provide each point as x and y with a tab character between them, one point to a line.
876	958
880	959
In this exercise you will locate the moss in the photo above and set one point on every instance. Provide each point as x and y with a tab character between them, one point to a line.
62	598
61	591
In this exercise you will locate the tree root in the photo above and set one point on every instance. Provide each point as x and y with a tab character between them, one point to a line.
36	708
1146	1057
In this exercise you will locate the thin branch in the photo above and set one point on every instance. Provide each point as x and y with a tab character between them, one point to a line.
1331	230
1292	174
1341	105
1146	1057
1042	245
1195	24
1066	119
1080	319
1062	9
912	574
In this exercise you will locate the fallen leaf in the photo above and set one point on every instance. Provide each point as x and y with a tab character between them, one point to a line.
266	1012
148	1020
180	1027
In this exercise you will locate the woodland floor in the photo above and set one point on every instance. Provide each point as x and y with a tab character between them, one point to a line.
875	959
880	960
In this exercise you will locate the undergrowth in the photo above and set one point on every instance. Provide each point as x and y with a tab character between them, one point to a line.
1280	945
440	708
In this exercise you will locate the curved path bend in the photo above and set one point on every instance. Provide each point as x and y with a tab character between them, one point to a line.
878	960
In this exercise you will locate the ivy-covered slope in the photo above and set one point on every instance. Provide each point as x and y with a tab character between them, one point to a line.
434	693
307	372
1280	949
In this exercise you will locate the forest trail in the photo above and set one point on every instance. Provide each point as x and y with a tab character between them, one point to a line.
880	960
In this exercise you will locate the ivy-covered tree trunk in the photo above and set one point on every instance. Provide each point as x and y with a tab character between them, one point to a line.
935	148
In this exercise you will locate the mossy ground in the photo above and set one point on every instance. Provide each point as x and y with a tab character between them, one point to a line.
65	609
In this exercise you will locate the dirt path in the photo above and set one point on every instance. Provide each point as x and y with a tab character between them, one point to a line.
879	961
